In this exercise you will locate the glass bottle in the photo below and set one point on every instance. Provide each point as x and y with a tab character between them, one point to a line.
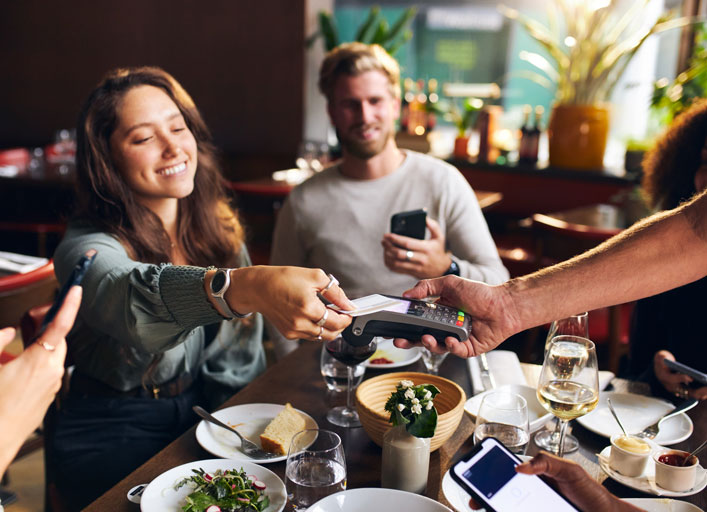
406	461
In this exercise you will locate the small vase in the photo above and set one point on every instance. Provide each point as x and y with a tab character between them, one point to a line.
406	461
461	147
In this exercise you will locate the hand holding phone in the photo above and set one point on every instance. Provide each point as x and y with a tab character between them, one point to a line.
75	279
411	223
697	376
488	474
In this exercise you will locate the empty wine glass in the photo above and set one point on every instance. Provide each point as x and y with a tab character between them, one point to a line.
504	415
432	361
568	386
315	467
350	355
576	325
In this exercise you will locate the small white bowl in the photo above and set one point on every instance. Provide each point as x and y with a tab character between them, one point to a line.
626	462
675	478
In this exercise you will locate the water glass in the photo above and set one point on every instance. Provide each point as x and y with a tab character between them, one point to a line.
432	361
335	372
315	468
504	415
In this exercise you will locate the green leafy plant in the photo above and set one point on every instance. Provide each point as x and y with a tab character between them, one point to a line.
413	407
463	118
589	45
671	98
374	30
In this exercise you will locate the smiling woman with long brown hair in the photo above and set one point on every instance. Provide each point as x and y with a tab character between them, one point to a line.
160	328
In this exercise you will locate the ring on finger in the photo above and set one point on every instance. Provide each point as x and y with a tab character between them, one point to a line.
409	255
682	391
322	320
46	346
319	336
332	281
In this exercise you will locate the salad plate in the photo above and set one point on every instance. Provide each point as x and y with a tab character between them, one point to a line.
398	357
160	495
457	497
250	420
356	500
645	482
636	413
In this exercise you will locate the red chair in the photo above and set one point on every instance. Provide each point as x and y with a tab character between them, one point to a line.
563	235
21	292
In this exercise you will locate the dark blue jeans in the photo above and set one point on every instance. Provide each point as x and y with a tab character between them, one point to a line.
97	441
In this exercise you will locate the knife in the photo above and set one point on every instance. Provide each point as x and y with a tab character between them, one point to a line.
486	376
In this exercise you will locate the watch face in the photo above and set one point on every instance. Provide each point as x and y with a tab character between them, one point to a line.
218	281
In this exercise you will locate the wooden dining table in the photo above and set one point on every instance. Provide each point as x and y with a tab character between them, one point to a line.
297	379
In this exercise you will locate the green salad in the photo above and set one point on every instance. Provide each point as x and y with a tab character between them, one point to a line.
224	491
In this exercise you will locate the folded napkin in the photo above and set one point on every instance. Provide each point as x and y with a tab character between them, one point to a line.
503	365
505	368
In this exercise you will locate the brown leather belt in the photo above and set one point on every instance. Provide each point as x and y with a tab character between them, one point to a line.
84	385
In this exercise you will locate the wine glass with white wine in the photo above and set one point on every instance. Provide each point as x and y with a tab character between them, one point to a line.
569	380
577	325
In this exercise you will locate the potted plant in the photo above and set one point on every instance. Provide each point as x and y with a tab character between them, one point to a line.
590	47
464	119
374	30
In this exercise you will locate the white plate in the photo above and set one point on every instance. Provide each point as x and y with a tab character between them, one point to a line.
399	356
662	505
250	420
637	412
458	497
374	499
160	495
537	415
646	481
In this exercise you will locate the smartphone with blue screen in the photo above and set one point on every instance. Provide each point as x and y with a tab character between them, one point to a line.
488	474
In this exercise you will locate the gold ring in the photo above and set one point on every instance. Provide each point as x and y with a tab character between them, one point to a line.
46	346
332	282
322	320
409	255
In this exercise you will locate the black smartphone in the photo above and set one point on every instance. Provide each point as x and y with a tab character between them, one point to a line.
488	474
698	376
75	278
412	223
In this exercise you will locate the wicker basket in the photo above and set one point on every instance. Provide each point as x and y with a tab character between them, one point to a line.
372	394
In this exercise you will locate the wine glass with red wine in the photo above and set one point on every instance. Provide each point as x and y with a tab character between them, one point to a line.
350	355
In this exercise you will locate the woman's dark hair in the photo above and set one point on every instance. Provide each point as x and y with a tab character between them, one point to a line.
208	229
670	166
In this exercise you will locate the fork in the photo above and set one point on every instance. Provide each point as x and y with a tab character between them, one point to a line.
652	430
248	447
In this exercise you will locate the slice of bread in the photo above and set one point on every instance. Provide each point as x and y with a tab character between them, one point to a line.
277	435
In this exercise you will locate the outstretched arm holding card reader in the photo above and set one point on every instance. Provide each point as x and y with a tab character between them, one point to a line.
396	317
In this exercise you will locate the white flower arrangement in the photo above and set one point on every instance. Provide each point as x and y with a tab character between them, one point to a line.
413	406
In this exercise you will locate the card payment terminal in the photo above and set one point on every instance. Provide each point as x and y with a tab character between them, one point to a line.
409	319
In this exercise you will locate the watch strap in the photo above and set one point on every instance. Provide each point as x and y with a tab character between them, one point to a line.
453	269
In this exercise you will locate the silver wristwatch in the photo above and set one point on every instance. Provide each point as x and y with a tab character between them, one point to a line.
219	286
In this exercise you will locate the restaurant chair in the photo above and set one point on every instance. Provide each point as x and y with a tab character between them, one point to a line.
20	292
558	240
42	237
29	326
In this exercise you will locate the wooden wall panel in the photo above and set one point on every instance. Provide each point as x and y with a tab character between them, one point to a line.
241	61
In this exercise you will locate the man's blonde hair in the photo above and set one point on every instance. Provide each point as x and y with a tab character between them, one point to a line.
353	59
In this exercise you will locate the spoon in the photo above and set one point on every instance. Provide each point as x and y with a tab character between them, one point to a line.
611	408
693	452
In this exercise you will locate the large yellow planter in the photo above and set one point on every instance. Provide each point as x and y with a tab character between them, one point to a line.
577	136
